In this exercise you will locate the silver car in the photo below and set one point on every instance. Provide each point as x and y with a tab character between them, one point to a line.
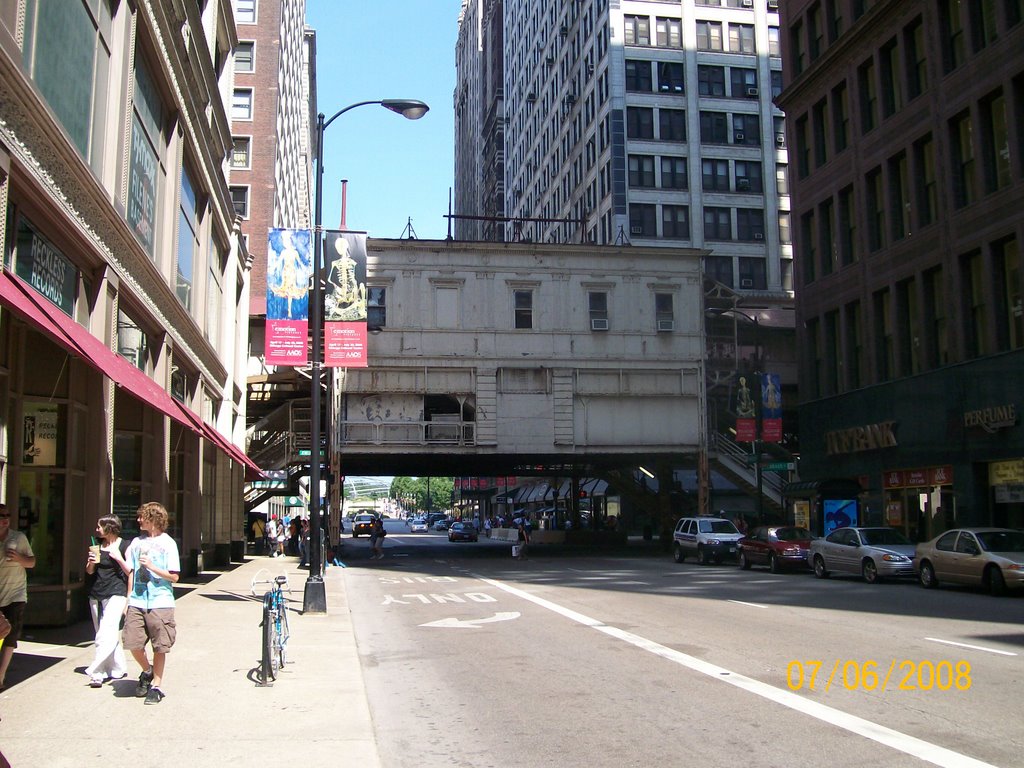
874	553
989	557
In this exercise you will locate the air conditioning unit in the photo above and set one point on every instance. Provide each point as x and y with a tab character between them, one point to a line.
758	236
780	139
773	3
742	185
666	325
752	92
599	323
748	3
746	283
634	230
739	137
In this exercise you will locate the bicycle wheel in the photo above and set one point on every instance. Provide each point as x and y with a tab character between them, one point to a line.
281	630
268	666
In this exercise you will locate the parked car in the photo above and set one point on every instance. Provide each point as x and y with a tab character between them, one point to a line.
706	538
419	525
874	553
442	524
362	524
989	557
777	546
462	532
433	517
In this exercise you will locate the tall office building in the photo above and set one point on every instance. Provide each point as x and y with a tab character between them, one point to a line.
636	122
124	288
273	125
906	118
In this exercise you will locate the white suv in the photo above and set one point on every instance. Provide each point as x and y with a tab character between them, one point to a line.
706	538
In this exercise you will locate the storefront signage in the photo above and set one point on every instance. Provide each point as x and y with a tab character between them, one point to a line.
1006	472
45	268
921	477
991	419
870	437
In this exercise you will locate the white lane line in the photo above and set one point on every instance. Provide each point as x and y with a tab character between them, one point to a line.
752	605
901	742
972	647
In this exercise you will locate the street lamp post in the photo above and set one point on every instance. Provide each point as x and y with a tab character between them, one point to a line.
315	596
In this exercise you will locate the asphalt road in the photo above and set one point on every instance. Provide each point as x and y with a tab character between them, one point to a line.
473	659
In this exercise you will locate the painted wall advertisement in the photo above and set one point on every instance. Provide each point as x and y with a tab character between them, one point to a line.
289	268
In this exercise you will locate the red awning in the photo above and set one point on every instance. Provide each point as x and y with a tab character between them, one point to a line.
47	318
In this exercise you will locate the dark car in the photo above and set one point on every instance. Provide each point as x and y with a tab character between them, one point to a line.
777	546
442	524
362	524
462	532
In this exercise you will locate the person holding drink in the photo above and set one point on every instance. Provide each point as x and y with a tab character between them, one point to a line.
16	558
108	600
155	566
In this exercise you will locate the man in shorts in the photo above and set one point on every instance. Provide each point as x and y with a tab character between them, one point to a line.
15	557
155	566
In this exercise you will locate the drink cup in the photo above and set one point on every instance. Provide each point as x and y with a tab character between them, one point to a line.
95	549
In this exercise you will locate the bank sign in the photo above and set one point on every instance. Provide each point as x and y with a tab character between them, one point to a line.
45	268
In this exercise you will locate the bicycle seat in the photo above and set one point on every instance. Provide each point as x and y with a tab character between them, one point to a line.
281	580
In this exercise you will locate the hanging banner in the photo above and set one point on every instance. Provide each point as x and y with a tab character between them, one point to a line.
345	300
746	414
771	408
289	267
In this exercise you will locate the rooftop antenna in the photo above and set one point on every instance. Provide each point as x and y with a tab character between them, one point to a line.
410	230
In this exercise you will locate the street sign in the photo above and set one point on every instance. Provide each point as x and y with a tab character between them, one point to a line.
781	466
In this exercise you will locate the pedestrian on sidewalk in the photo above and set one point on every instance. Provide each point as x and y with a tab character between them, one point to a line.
155	567
270	535
377	534
523	537
17	558
108	599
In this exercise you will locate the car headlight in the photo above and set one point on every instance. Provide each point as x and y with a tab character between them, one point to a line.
891	558
714	542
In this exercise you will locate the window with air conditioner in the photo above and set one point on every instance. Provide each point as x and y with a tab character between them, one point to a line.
739	137
664	312
752	92
598	306
746	283
742	185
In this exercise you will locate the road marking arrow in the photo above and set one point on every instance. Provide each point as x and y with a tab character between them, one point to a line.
453	623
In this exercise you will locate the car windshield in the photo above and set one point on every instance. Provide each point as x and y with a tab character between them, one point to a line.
881	537
364	518
1001	541
792	534
717	526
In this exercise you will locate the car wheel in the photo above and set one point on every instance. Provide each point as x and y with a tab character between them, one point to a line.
744	563
355	535
677	554
994	579
703	556
928	580
819	567
869	571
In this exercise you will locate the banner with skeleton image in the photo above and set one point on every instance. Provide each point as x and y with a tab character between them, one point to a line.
345	299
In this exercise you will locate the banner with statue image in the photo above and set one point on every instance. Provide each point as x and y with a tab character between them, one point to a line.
345	299
289	267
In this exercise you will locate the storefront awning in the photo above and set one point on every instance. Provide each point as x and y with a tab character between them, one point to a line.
45	317
837	487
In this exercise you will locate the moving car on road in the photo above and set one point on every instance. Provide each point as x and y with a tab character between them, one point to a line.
462	532
777	546
362	523
989	557
706	538
874	553
419	525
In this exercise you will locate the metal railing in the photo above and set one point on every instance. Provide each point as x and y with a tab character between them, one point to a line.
737	460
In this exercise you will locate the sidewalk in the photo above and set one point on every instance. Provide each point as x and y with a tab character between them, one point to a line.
214	714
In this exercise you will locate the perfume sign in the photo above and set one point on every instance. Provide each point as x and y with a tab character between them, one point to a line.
992	419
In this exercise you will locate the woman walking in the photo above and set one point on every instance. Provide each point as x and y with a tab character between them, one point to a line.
377	534
108	599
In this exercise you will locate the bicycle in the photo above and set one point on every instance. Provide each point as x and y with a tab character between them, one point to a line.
274	625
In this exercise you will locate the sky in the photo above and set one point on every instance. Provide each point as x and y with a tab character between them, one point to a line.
396	168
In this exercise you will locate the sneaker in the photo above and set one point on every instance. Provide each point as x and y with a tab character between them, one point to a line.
155	696
96	682
145	683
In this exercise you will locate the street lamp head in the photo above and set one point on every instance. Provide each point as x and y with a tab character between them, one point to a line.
411	109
